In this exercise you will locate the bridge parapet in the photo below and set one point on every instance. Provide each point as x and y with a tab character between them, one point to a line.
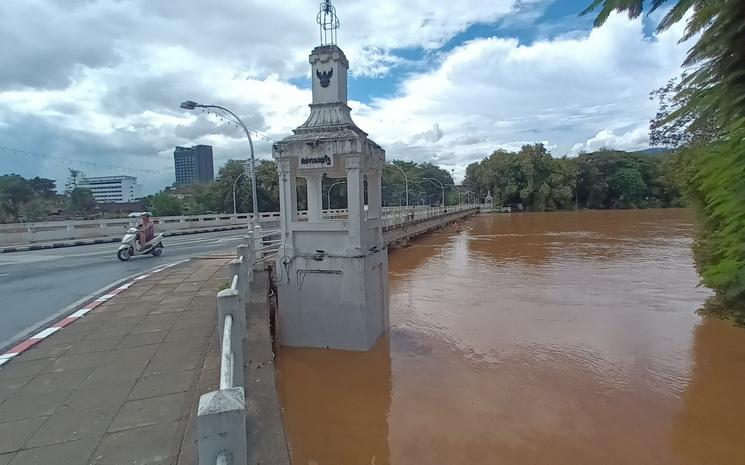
221	419
49	231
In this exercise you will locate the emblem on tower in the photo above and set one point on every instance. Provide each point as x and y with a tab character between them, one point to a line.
328	22
325	77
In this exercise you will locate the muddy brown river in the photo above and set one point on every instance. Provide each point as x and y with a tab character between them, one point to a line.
551	338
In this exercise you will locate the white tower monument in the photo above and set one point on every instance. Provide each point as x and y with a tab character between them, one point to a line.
332	273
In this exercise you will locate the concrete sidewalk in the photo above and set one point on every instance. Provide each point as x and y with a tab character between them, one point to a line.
121	384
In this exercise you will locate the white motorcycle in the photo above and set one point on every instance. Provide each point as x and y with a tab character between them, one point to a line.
131	246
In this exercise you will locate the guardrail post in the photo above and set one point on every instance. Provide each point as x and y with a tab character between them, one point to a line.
229	301
251	243
237	267
258	243
248	262
221	426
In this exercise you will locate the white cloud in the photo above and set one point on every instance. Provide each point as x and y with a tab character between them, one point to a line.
102	79
606	139
431	135
494	93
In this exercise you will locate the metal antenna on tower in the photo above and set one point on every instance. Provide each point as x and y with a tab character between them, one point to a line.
328	23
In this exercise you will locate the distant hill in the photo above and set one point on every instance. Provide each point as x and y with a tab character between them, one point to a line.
652	151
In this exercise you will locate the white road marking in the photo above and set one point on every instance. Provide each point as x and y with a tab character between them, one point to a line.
43	334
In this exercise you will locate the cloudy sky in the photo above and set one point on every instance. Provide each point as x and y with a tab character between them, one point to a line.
100	81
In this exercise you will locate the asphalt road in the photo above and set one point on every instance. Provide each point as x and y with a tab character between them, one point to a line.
36	285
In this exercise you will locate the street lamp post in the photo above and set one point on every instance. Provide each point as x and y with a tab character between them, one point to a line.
468	196
441	187
234	183
328	195
190	105
406	180
457	188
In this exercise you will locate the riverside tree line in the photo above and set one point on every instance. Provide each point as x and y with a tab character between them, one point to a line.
531	179
37	199
702	116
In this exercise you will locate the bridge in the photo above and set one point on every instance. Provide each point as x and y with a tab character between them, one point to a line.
330	282
60	275
16	237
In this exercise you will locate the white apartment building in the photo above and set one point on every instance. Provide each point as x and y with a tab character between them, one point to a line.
113	188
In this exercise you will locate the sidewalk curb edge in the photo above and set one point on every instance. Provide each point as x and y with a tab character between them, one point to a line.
21	342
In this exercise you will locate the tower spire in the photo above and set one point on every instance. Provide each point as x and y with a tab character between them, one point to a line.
328	22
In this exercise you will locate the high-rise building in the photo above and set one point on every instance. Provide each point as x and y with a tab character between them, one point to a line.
193	165
115	189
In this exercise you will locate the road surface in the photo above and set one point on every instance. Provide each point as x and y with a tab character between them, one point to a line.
36	285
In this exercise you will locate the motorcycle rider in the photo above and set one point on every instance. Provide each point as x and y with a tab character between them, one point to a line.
146	230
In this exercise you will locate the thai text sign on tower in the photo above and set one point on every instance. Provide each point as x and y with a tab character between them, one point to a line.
318	161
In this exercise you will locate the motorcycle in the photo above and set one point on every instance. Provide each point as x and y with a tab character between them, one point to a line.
130	245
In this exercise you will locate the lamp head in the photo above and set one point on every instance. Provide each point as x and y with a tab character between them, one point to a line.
189	105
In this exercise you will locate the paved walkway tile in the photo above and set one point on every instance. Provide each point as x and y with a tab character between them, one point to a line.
120	385
68	453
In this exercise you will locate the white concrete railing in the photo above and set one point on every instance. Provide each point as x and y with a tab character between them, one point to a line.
266	245
398	216
267	242
50	231
221	418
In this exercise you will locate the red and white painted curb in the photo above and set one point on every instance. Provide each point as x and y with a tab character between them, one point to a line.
74	316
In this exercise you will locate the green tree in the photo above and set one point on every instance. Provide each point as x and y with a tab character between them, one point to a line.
82	200
43	187
75	176
217	196
34	210
394	185
15	190
535	180
627	187
705	117
164	204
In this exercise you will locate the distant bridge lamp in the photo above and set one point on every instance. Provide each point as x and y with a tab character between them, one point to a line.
442	187
328	194
406	179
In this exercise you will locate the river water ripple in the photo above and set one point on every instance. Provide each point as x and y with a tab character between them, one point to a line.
552	338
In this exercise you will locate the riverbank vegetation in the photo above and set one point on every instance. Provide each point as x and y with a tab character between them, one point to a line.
424	181
36	199
702	115
531	179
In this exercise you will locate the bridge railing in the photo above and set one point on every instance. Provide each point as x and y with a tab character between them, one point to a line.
221	418
398	216
266	245
268	241
49	231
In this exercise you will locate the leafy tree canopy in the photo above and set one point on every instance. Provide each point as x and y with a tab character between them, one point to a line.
703	114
